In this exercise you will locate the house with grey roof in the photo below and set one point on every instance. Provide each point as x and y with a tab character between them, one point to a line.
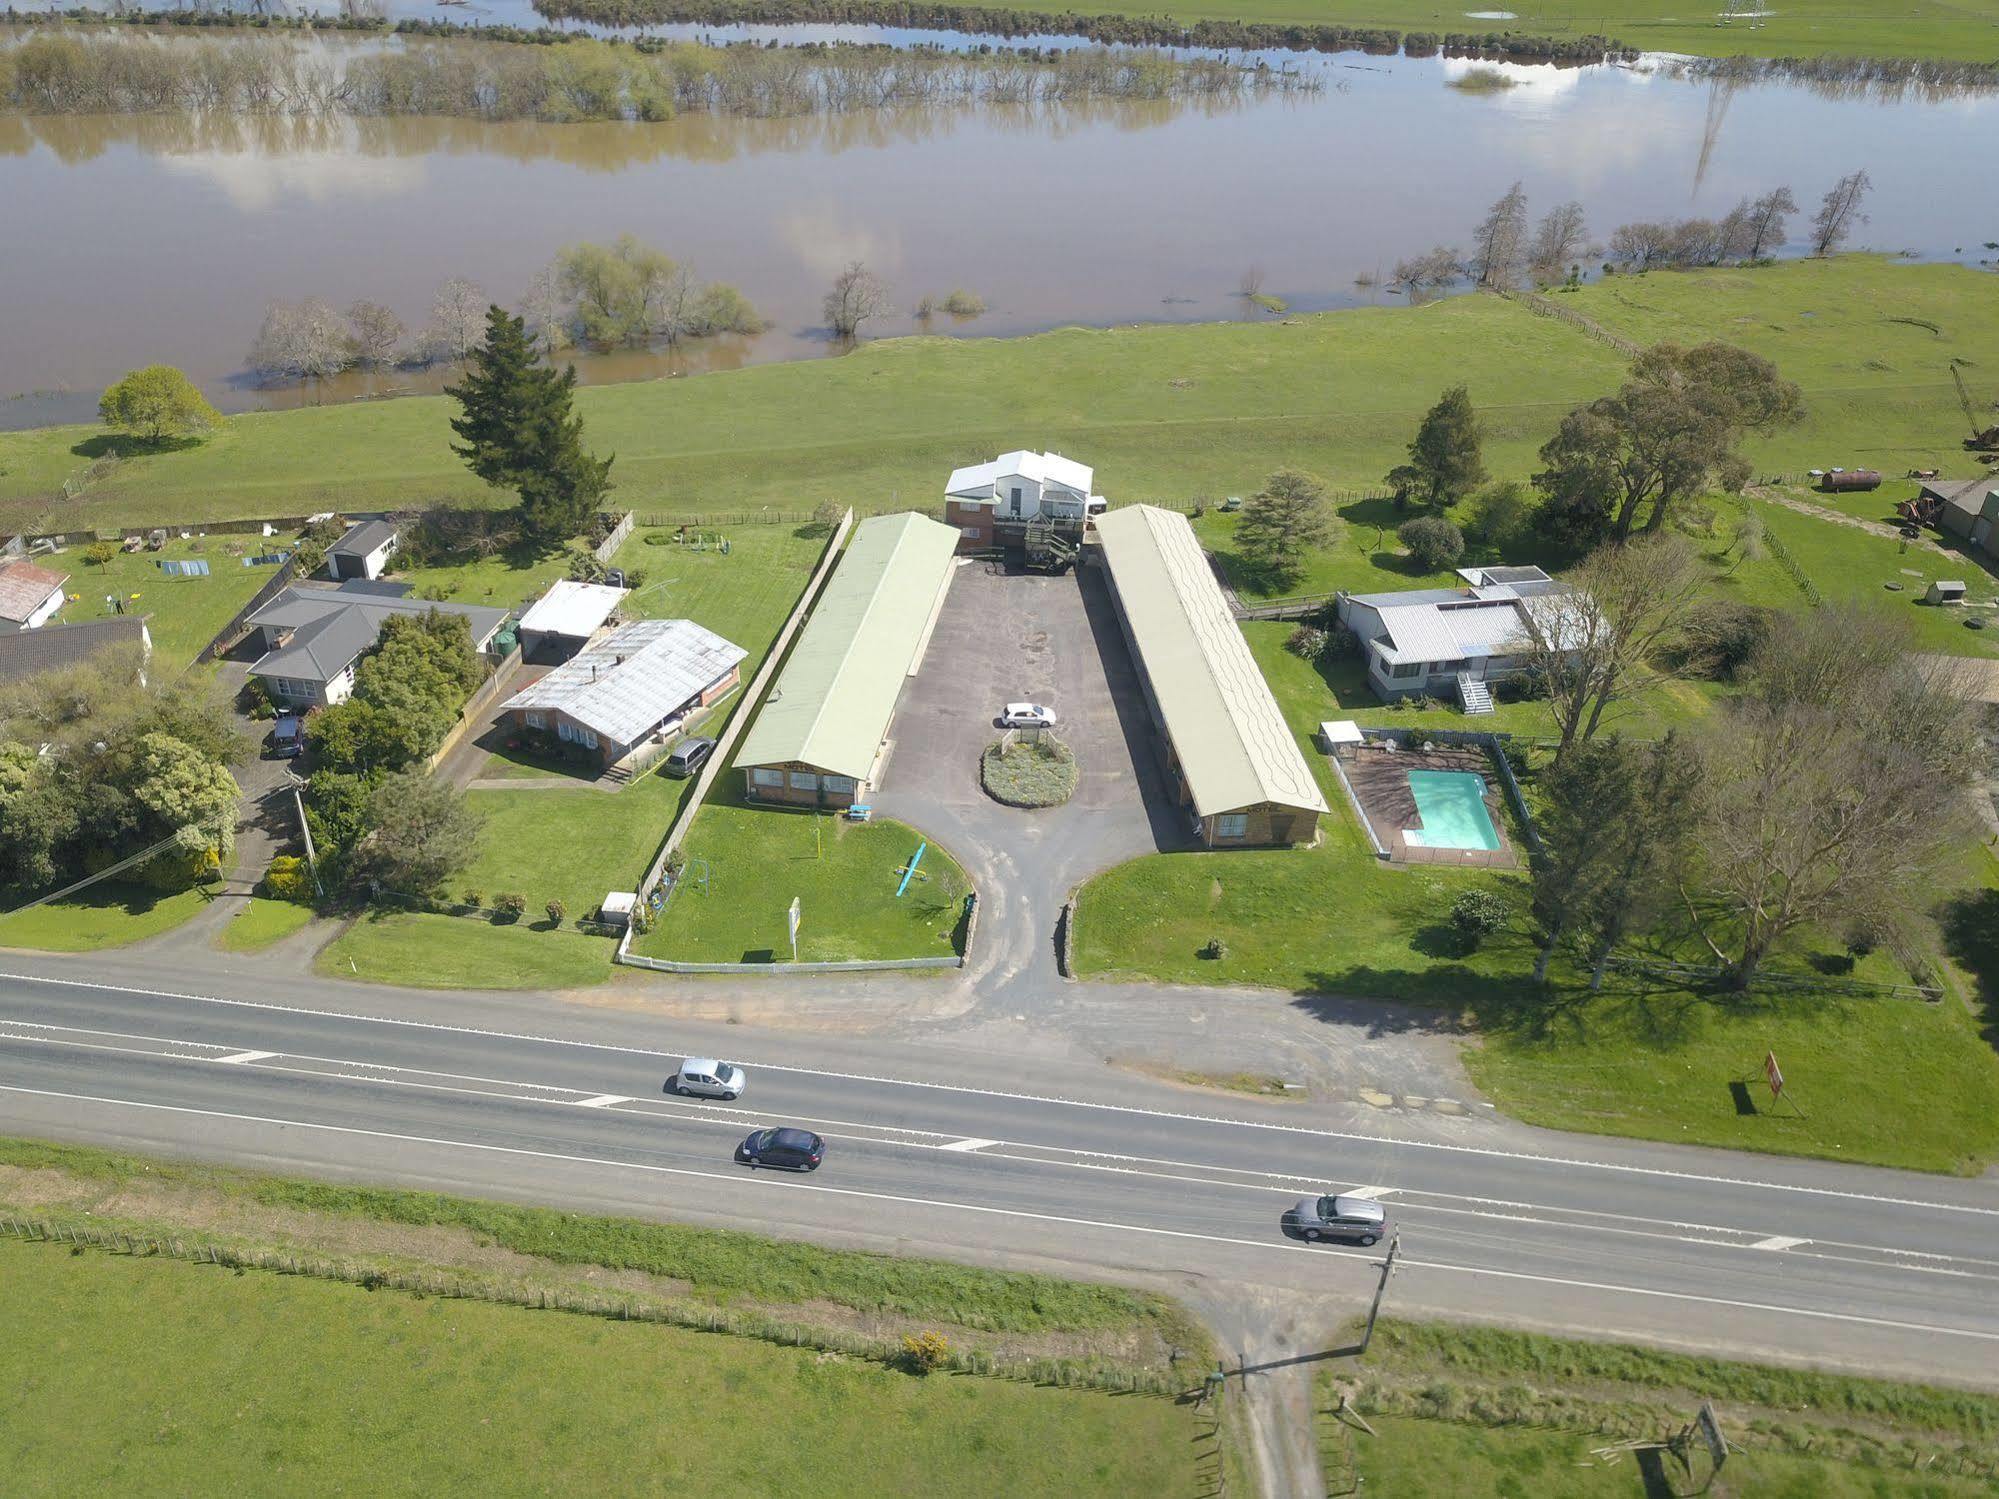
641	683
1455	642
310	636
28	595
29	653
363	552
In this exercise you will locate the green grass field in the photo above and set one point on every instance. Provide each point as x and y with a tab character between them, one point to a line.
455	952
409	1395
185	612
1161	411
844	875
107	915
261	923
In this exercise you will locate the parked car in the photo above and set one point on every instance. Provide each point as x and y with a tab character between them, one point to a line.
288	735
704	1077
689	756
1360	1220
1028	716
788	1149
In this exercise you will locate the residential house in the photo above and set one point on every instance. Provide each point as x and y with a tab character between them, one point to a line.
563	620
986	501
1230	757
310	636
640	683
1968	509
1455	641
363	552
28	595
821	737
28	653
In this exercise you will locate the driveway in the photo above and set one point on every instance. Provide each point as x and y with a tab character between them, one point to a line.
1007	637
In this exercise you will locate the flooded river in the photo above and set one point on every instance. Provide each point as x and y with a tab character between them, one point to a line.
138	238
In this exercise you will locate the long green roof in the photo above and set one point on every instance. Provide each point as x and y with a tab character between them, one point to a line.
834	699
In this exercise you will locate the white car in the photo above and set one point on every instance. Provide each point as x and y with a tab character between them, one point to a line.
704	1077
1028	716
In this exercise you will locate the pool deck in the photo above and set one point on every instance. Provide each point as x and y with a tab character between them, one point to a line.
1380	779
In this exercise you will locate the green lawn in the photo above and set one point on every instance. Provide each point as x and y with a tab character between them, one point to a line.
185	612
261	922
420	1396
107	915
844	875
455	952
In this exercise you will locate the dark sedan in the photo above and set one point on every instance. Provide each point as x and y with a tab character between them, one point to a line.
787	1149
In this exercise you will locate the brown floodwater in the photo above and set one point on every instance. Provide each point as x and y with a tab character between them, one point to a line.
131	239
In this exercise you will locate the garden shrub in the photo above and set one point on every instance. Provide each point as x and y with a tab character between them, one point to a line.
1432	540
1307	642
289	878
1476	915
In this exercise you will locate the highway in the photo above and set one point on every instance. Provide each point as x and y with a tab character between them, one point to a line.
1051	1167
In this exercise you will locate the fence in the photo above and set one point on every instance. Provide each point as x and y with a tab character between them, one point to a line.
229	634
770	970
608	547
482	698
238	527
1353	800
1547	307
1493	743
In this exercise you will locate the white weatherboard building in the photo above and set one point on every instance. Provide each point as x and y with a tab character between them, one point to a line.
1454	641
563	620
1015	489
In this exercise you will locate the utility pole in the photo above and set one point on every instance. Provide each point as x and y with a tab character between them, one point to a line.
1387	1269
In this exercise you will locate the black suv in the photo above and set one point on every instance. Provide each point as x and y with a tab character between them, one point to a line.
689	756
791	1149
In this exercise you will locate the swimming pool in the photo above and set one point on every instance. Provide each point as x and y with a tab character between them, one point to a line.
1452	806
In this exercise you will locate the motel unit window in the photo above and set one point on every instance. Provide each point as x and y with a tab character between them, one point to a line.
804	780
844	785
1232	825
766	778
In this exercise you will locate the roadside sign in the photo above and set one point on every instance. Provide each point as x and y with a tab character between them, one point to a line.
791	923
1709	1426
1773	1072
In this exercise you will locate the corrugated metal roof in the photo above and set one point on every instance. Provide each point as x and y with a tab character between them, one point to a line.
24	588
977	480
630	681
23	653
1233	744
836	695
572	609
331	626
361	538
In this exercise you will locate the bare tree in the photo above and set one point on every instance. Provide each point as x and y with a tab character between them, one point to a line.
1437	267
857	295
1641	245
305	340
1560	239
1768	216
1736	233
457	320
1501	240
542	309
1839	213
377	332
1602	642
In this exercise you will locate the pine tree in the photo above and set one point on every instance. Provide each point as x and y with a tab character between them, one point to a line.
1445	454
498	396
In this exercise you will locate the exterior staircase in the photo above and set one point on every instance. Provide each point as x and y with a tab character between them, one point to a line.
1474	696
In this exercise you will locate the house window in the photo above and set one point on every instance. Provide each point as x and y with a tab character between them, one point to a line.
587	738
535	719
563	731
1409	669
766	778
804	780
972	531
1232	825
843	785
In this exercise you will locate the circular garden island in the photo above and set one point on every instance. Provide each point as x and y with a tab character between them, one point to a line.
1029	772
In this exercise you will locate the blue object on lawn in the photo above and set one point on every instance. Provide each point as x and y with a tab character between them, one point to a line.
910	873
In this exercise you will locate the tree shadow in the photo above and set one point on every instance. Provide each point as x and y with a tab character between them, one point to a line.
1971	937
128	445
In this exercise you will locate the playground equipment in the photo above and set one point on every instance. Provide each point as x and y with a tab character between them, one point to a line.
909	869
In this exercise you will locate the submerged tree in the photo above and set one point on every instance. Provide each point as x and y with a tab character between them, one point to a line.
1500	241
857	296
1561	238
305	340
1768	216
1839	212
377	333
457	314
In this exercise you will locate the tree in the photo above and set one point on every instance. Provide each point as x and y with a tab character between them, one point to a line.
857	296
301	341
559	499
156	403
377	333
100	553
1767	218
1281	522
1839	213
616	290
1500	240
185	791
1603	641
1668	433
1445	451
542	309
1436	268
1499	513
1837	786
456	314
1561	238
1432	541
424	833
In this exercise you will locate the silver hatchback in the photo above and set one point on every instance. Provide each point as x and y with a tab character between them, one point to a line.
704	1077
1359	1220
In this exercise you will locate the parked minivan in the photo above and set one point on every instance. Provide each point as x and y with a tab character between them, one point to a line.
689	756
288	735
1360	1220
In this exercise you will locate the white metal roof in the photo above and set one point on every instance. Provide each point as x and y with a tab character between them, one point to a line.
572	609
1234	746
1340	731
626	684
977	480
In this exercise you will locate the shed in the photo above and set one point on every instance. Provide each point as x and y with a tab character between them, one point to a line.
1337	731
363	552
1945	591
561	622
617	908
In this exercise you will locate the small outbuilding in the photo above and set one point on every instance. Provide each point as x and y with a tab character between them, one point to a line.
563	620
363	552
28	595
1945	591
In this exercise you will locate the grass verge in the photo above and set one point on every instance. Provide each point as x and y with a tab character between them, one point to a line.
106	915
261	923
424	951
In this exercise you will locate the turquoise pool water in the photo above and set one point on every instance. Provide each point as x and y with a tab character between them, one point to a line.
1452	806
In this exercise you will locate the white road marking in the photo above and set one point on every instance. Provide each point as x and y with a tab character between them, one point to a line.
1779	1241
1375	1194
976	1207
969	1145
601	1101
241	1056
